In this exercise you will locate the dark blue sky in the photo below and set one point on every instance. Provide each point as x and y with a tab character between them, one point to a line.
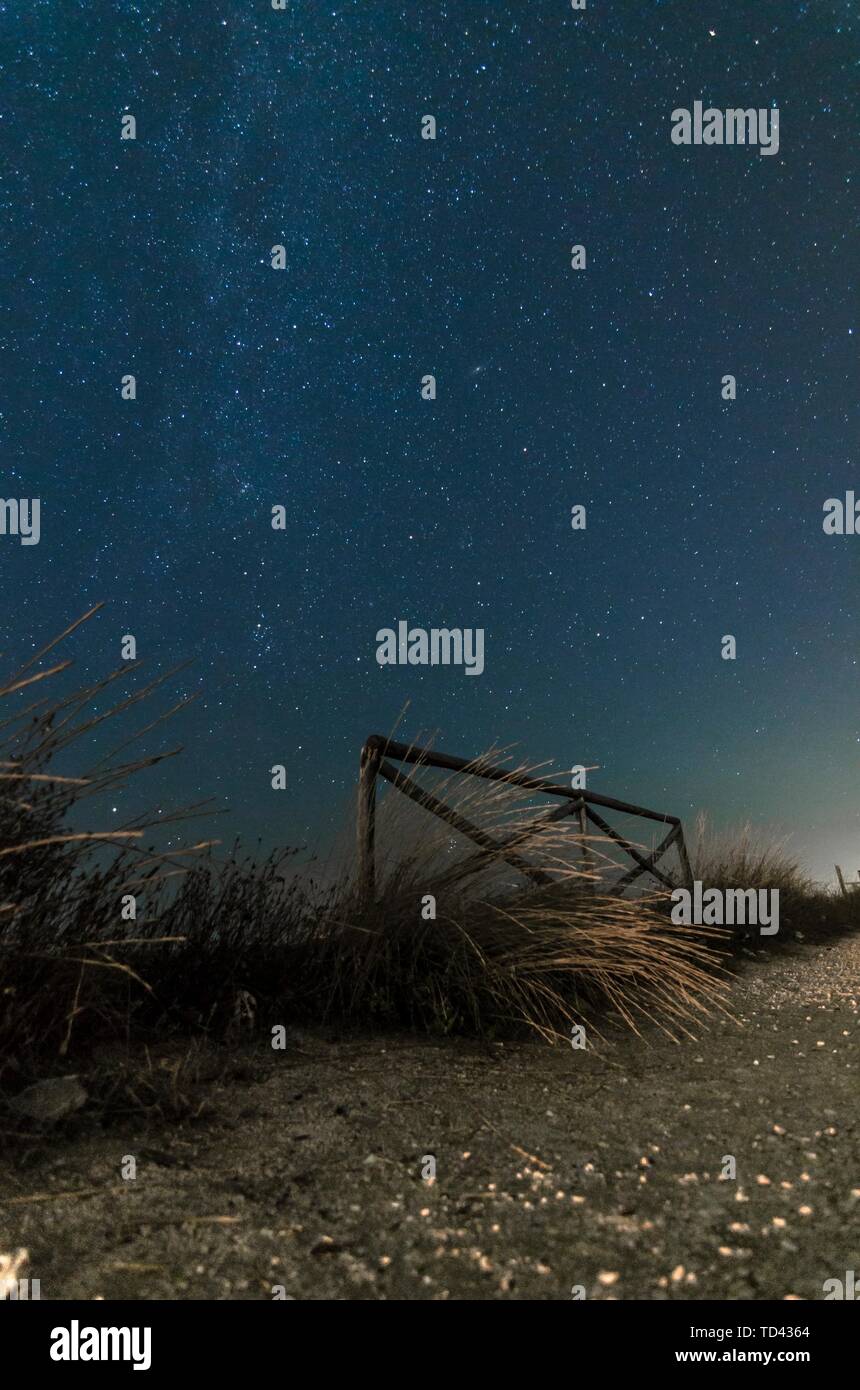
407	257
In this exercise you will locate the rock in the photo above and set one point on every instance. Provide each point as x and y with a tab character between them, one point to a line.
49	1101
10	1269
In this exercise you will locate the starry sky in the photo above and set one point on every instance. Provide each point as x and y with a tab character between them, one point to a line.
405	257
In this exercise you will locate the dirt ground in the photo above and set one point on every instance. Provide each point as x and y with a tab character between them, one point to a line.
555	1167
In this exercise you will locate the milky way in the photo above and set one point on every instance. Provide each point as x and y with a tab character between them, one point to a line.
408	257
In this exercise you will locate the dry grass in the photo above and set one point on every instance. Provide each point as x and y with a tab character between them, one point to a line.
222	947
745	857
503	952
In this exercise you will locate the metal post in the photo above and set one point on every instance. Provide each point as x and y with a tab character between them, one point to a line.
366	823
684	858
587	861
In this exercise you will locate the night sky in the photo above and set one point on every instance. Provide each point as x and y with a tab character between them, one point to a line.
556	387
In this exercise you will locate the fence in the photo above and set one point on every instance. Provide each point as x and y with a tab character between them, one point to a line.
379	754
847	887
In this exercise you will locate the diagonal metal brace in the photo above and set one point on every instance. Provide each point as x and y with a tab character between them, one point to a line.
639	859
416	793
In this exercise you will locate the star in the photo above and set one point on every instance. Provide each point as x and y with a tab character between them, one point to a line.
300	388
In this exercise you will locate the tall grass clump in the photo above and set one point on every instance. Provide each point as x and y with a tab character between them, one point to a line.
746	856
222	944
503	952
57	898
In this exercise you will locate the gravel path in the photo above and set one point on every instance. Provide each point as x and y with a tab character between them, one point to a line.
555	1168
